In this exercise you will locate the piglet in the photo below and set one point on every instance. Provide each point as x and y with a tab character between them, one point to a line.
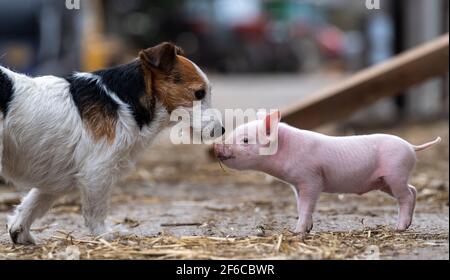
313	163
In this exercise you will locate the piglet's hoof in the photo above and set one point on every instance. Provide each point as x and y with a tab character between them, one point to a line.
303	229
310	227
400	229
300	235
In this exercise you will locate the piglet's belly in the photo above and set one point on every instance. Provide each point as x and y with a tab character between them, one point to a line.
354	180
349	166
346	188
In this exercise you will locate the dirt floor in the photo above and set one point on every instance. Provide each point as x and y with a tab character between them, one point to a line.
178	203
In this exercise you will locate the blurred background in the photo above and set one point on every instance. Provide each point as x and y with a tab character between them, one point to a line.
259	53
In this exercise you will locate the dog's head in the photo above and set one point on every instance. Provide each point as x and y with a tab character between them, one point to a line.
178	82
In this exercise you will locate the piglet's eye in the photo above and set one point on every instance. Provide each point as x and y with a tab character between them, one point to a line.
245	140
200	94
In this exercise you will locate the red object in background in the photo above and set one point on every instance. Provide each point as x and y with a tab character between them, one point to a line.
255	28
331	41
200	27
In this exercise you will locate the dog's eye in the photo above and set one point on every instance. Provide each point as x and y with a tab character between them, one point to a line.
245	140
200	94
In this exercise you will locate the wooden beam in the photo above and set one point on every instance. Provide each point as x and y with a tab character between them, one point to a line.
368	86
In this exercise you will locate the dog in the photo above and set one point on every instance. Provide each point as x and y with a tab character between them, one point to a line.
84	131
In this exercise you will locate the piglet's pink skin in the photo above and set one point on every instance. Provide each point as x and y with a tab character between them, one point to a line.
313	163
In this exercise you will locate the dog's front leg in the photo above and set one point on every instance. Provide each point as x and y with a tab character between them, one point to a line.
95	204
35	204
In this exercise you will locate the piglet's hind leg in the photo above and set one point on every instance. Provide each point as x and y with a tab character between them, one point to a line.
406	197
406	220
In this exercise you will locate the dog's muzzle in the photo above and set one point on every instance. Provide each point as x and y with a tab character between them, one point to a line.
215	134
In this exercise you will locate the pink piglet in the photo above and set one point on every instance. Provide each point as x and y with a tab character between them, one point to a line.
313	163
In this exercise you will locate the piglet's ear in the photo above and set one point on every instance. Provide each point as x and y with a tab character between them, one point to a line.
271	121
162	57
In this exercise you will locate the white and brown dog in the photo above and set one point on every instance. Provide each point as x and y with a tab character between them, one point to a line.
83	131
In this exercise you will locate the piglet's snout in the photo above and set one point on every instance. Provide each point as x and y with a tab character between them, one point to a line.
218	149
223	152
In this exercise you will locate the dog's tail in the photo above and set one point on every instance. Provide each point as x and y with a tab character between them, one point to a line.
427	145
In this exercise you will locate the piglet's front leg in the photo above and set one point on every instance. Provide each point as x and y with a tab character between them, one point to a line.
307	196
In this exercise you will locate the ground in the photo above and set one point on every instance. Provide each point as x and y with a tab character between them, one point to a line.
179	203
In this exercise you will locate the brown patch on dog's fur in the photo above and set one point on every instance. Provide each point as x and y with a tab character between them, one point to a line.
175	82
101	123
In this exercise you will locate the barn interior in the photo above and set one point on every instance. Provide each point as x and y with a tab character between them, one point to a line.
337	67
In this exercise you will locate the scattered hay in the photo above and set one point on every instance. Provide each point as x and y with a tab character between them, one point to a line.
369	243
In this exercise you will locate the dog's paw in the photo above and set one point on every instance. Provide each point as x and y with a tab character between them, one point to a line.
19	235
121	230
111	233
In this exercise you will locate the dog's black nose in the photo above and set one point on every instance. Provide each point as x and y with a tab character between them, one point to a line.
213	133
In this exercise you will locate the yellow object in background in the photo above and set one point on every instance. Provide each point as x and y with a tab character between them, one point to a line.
95	47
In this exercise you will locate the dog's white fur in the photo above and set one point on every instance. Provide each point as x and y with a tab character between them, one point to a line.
46	147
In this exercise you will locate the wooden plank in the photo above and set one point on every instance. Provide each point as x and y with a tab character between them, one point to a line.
368	86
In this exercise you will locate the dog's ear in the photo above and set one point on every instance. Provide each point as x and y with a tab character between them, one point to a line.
162	57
